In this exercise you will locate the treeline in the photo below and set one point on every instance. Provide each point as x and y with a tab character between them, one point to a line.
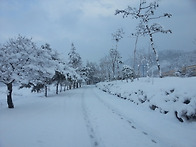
37	67
24	63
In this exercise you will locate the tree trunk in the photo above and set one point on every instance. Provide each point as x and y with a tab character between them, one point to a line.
113	70
74	85
156	55
9	95
154	50
61	87
46	91
57	88
77	85
134	58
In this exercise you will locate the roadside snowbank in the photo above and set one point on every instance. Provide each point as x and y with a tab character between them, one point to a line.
171	95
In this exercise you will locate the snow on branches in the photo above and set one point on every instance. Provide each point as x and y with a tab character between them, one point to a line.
146	14
22	62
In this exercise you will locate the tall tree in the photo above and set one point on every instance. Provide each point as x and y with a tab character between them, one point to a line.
115	59
74	60
117	36
146	14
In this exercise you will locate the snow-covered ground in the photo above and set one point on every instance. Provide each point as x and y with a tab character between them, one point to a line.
171	95
87	117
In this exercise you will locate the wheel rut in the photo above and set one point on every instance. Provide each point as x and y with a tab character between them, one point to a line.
95	141
122	117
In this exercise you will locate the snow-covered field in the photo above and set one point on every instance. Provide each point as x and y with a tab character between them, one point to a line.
89	117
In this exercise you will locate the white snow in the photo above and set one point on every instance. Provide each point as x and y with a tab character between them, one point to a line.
88	117
168	94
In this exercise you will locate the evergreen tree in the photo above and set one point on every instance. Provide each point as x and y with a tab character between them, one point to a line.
74	60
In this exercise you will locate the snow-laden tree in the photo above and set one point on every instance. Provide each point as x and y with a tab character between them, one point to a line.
72	77
16	60
51	62
85	73
57	71
43	66
74	60
24	63
128	73
146	15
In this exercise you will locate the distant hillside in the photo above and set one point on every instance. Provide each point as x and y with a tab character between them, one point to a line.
169	60
175	60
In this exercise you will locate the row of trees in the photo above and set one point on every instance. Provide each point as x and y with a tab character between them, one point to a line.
109	68
24	63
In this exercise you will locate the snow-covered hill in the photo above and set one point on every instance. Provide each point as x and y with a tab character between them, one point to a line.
171	96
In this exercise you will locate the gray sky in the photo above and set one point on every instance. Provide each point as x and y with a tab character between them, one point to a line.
90	23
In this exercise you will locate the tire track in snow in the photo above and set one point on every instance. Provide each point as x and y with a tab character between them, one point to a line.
92	134
122	117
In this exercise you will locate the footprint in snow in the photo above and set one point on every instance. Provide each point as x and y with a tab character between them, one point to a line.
129	121
153	141
133	127
145	133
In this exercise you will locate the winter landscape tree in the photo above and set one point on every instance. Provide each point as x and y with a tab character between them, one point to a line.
74	60
16	63
117	36
22	62
146	13
16	57
128	73
105	68
115	59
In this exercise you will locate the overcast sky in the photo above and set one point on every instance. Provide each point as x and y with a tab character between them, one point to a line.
90	23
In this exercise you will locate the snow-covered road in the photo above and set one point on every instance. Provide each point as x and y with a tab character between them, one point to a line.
87	117
107	126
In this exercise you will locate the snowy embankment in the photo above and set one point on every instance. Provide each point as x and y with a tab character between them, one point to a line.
171	96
